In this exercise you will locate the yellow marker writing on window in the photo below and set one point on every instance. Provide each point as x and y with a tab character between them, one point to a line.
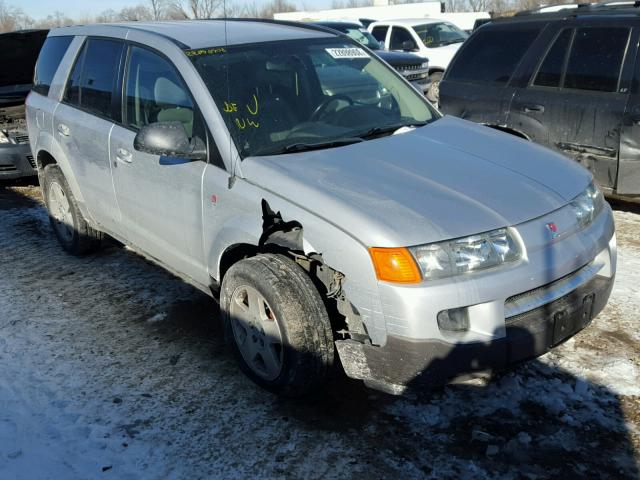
253	111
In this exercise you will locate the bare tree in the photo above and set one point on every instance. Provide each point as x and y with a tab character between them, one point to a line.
195	8
135	14
157	8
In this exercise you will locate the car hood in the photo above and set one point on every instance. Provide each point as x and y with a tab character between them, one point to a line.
18	55
449	179
400	58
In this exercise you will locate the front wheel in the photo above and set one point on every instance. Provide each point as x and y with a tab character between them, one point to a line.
277	324
433	94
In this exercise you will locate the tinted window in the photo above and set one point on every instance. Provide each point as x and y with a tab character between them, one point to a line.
155	93
398	37
596	58
380	33
492	55
94	76
550	71
51	54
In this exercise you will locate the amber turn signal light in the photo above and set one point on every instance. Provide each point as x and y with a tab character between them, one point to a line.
395	265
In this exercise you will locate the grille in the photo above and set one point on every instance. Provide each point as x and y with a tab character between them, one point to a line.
7	168
21	138
532	299
32	162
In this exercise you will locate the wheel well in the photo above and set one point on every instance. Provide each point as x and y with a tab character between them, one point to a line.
44	158
510	131
234	254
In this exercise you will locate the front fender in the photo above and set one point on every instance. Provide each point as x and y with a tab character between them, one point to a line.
239	221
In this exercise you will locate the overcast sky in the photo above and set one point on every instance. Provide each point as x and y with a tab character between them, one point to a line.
76	8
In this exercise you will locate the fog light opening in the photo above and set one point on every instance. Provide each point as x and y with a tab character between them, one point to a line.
454	320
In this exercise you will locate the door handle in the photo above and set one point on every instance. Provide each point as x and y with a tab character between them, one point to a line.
533	109
63	130
124	155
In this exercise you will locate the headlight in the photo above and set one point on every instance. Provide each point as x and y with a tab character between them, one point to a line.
3	138
588	205
457	257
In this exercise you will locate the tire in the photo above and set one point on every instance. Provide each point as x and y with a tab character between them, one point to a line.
293	309
433	95
71	229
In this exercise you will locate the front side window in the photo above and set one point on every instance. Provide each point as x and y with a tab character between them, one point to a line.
596	58
93	79
401	39
279	97
155	93
439	34
550	71
491	56
51	54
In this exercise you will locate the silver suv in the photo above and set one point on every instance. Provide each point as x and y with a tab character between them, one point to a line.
331	217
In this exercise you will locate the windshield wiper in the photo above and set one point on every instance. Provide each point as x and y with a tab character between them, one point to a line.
305	147
375	131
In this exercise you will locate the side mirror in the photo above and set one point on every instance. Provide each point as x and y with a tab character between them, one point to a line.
169	139
409	46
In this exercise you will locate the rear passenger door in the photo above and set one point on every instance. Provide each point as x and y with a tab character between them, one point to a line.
479	84
576	98
82	125
159	197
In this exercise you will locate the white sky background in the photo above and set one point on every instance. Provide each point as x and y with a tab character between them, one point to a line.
39	9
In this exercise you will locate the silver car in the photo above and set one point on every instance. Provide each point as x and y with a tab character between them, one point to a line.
358	225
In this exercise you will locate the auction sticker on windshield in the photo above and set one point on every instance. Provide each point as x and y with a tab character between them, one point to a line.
347	53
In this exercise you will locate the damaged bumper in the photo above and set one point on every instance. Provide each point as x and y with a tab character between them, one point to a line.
404	363
16	161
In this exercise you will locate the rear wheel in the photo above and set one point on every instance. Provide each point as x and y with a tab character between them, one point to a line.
277	324
70	227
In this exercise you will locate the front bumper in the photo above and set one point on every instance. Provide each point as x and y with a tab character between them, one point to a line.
404	363
16	161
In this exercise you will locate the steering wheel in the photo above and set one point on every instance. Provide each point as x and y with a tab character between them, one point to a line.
319	111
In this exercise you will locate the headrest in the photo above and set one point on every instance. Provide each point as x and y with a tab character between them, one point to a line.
167	93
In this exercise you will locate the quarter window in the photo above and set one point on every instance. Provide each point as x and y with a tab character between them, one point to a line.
94	75
401	38
492	55
51	54
596	58
155	93
550	72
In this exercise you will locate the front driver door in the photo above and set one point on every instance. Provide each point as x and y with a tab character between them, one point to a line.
159	197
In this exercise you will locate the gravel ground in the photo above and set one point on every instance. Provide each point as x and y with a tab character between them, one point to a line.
112	368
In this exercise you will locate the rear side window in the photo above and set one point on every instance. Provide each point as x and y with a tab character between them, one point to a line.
94	75
596	58
50	57
399	36
550	71
491	56
380	33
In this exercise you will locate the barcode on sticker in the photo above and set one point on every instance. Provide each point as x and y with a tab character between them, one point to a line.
347	53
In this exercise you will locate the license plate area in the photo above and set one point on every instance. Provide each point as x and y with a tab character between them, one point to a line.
568	321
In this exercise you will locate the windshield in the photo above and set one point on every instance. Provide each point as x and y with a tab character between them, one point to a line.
440	34
363	37
280	97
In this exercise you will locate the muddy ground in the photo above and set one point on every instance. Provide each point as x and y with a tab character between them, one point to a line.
110	367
